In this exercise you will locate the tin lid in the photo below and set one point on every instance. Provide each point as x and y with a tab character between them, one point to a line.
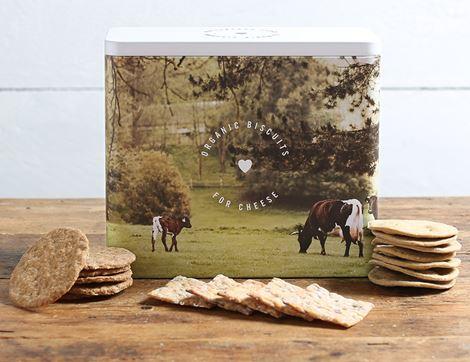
248	41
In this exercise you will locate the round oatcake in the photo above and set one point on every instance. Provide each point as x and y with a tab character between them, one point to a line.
414	228
49	268
100	288
101	257
99	272
405	241
120	277
440	249
412	255
390	278
452	263
433	275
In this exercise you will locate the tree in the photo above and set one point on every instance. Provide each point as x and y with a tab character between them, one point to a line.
300	189
356	81
151	186
290	95
265	89
155	103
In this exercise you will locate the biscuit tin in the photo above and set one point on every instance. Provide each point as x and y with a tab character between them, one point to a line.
251	152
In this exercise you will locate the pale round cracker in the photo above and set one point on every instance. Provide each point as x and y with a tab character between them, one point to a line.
390	278
414	228
408	240
452	263
100	289
49	268
101	257
412	255
441	249
98	272
434	275
113	278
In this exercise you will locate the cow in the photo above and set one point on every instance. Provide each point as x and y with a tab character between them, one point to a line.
168	225
323	217
355	222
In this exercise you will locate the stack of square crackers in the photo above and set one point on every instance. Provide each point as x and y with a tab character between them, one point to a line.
276	298
61	264
414	253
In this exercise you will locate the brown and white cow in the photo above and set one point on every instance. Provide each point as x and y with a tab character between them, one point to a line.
168	225
355	221
324	216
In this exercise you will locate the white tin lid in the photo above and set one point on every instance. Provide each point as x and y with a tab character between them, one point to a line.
178	41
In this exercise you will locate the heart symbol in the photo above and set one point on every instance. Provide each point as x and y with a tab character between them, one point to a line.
245	165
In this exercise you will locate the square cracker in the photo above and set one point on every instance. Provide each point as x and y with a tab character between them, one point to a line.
273	296
240	293
210	293
316	302
175	292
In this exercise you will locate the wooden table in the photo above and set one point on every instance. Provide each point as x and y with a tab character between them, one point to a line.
406	324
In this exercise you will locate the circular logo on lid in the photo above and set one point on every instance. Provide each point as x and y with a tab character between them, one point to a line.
241	33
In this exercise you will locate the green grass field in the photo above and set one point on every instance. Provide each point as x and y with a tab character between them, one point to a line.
253	244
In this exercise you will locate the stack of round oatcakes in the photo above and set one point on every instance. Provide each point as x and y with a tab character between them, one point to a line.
61	264
414	253
107	272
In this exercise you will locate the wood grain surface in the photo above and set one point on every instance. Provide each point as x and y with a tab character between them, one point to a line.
406	324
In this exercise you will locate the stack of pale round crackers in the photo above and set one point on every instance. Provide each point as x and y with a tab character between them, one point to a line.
277	298
61	264
414	253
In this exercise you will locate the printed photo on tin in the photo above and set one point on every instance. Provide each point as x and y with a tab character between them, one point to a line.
246	166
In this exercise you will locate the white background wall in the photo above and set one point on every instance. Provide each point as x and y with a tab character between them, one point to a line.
51	78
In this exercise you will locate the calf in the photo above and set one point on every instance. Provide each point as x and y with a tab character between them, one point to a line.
168	225
323	217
